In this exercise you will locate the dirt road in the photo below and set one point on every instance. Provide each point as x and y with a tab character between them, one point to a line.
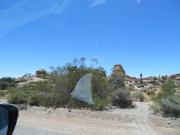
138	121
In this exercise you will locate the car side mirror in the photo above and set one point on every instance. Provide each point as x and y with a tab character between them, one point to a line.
8	119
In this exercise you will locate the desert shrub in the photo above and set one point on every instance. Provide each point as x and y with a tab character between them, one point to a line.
7	82
167	101
3	85
171	105
8	79
151	93
168	88
65	79
99	103
47	100
18	97
101	89
155	107
39	93
73	103
35	100
3	93
139	96
131	87
122	98
41	99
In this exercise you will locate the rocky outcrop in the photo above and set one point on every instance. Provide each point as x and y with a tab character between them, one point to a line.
119	71
118	76
31	80
176	78
41	73
150	82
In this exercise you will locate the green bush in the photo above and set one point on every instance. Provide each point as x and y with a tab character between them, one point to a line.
60	100
155	107
18	97
171	105
35	100
100	103
167	101
3	93
122	98
168	88
140	96
151	93
73	103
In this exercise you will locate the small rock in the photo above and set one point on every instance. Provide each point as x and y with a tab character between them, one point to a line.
69	110
168	122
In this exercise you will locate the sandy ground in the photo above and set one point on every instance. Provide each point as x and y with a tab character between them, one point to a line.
137	121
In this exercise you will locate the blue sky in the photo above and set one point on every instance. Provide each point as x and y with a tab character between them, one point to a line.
142	35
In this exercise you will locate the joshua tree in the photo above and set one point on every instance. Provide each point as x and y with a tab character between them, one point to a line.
154	81
141	80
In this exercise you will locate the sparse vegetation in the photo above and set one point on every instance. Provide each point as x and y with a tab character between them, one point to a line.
18	97
171	105
3	93
3	85
55	92
122	98
139	96
151	93
167	101
7	82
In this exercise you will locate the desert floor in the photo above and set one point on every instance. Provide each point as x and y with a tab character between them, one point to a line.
137	121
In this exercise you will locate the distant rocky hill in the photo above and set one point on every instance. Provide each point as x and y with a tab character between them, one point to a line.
142	82
118	74
151	81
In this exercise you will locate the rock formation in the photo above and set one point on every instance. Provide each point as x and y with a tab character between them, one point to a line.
118	76
118	70
41	73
